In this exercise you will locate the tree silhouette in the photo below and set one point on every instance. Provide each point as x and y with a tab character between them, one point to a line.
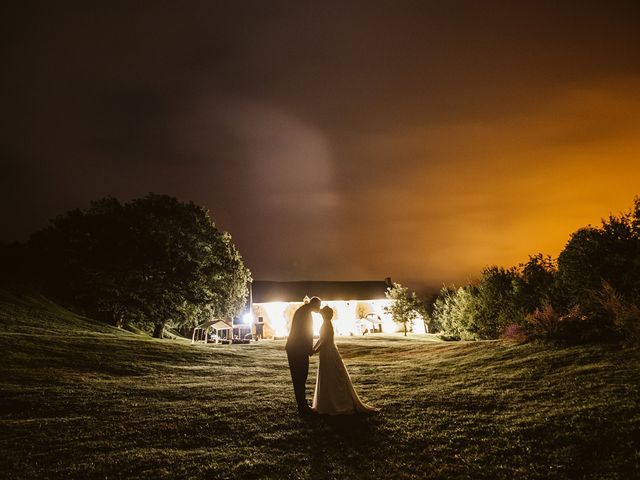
150	262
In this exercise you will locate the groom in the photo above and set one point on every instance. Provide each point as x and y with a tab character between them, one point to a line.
299	348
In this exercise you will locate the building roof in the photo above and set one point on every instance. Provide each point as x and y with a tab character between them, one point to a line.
267	291
216	324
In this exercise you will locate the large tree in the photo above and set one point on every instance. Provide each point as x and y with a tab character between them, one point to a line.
494	300
152	261
535	284
609	253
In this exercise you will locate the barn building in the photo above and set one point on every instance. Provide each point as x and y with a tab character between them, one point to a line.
359	306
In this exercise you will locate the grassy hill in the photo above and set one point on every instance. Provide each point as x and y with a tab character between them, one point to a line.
83	400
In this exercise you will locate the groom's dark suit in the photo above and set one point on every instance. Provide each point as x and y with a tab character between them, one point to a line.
299	347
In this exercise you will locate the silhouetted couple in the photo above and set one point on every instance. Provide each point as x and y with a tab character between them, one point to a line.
334	394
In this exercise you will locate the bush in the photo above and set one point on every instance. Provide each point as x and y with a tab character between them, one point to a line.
543	323
547	324
623	315
505	298
452	312
482	310
515	333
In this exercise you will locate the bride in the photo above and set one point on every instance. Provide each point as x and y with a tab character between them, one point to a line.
334	393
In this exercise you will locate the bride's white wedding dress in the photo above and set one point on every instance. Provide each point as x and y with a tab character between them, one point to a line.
334	393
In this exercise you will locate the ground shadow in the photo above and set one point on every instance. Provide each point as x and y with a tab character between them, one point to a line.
343	444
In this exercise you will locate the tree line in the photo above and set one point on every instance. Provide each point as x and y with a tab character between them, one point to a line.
149	263
590	292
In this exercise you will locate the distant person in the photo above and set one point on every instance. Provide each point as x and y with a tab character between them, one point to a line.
299	348
334	394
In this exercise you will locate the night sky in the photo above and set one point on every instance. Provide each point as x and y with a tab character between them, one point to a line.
334	140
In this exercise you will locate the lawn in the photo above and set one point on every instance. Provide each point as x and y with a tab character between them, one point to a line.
84	400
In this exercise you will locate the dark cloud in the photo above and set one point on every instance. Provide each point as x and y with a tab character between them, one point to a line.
417	139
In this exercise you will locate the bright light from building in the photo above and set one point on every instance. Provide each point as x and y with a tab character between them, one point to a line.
418	325
345	318
275	315
345	322
317	322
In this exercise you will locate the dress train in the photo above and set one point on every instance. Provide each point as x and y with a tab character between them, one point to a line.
334	393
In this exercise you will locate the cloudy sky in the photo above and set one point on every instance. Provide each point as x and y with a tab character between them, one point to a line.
420	140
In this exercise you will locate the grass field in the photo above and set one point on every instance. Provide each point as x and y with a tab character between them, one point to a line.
84	400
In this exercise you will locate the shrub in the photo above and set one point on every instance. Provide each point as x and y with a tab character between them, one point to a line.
506	297
515	333
543	322
547	324
623	315
453	311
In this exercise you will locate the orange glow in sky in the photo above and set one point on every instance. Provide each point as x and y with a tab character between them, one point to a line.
333	140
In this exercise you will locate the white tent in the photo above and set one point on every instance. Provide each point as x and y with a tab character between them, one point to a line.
217	326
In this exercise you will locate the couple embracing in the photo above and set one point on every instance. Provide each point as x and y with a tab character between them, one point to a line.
334	394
